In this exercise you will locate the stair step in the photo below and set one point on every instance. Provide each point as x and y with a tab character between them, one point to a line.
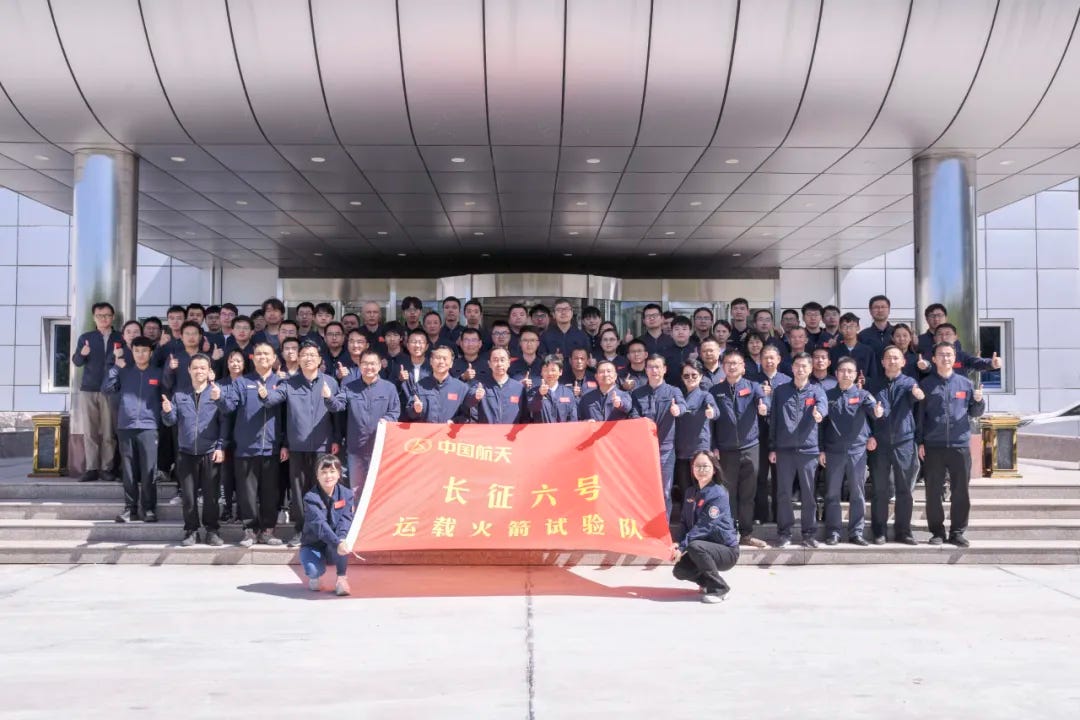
64	489
109	531
978	529
994	552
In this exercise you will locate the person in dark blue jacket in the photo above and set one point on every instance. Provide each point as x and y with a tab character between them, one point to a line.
438	398
935	314
550	401
561	337
578	375
693	428
312	429
257	435
663	404
200	443
894	462
470	364
767	375
879	334
712	366
635	375
236	365
849	346
498	399
821	363
740	403
366	400
607	401
943	433
609	350
414	367
139	387
709	543
92	352
844	435
529	363
328	515
946	333
797	409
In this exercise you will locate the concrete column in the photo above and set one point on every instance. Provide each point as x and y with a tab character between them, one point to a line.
103	253
945	242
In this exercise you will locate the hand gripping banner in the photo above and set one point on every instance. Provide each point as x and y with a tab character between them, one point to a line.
566	486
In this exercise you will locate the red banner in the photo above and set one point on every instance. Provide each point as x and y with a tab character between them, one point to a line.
564	486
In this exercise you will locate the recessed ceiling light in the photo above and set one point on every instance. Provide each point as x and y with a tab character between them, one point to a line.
381	232
808	204
43	158
731	161
573	232
593	161
284	232
581	203
241	202
695	203
670	232
189	233
1006	162
652	254
568	254
457	159
317	159
356	203
478	234
178	158
470	203
736	254
318	254
766	234
485	254
402	254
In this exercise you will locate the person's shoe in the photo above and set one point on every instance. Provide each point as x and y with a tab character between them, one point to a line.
341	587
89	476
833	539
267	537
782	542
176	500
908	540
313	584
212	538
702	589
811	542
109	477
936	540
189	540
717	596
124	517
294	541
858	540
879	540
248	540
151	517
225	517
959	540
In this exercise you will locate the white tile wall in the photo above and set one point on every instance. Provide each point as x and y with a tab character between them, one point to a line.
7	364
6	393
1010	288
1056	210
28	322
28	365
797	287
7	284
30	399
1019	216
33	213
1010	248
900	288
9	207
1057	329
152	285
1059	288
43	245
1059	248
9	244
247	288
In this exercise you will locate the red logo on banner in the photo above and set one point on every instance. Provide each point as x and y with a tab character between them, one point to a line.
471	487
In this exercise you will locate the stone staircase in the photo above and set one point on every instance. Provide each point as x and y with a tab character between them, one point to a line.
1034	519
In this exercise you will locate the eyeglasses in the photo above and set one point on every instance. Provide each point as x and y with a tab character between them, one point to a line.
690	376
703	467
500	333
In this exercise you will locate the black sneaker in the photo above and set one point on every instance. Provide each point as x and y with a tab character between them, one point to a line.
833	539
151	516
248	540
811	542
782	542
936	540
89	476
959	540
907	540
879	540
124	517
225	517
212	538
858	540
189	540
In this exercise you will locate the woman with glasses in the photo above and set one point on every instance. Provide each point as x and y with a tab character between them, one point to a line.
709	544
693	428
609	350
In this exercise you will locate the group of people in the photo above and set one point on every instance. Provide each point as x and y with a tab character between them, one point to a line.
250	408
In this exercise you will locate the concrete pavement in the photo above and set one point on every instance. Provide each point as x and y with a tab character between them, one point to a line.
509	642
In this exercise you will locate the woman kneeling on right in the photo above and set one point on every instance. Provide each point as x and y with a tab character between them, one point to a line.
710	544
328	513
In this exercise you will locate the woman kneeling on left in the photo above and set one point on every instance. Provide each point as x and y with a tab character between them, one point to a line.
710	544
328	513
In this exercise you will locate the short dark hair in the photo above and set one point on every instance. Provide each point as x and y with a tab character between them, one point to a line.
562	301
654	357
703	309
353	315
529	329
590	311
131	322
273	303
847	360
243	319
332	323
723	323
759	311
256	314
472	331
515	306
827	308
811	306
474	301
669	314
102	305
553	359
938	346
636	341
195	306
173	309
230	306
327	461
213	309
451	298
200	356
732	352
417	331
286	341
849	318
798	356
945	326
878	298
289	322
740	301
682	321
142	341
325	307
152	319
393	327
933	307
429	313
411	302
652	306
306	304
309	343
790	311
368	352
539	308
192	324
498	324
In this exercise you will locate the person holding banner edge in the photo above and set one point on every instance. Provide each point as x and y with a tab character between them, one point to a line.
328	515
710	544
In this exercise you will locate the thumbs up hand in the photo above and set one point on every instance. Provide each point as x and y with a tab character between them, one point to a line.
762	408
166	406
978	394
418	407
326	391
403	375
617	401
173	362
205	344
592	362
215	391
628	382
527	382
121	362
995	361
709	412
341	371
544	388
766	388
480	392
164	339
923	363
879	411
218	354
262	390
118	350
861	380
469	374
917	393
85	348
577	389
674	408
818	417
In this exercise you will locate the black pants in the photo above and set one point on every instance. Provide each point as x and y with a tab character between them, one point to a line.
301	479
138	465
199	472
684	478
893	468
957	463
765	497
739	472
703	562
257	491
166	449
228	482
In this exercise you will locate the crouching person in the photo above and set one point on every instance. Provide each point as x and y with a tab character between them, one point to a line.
710	544
328	513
